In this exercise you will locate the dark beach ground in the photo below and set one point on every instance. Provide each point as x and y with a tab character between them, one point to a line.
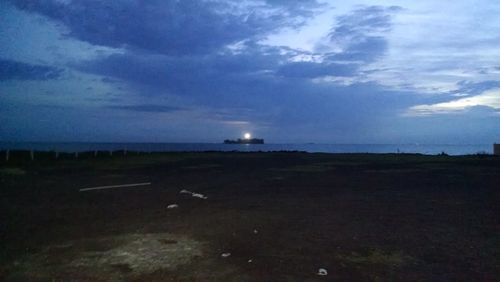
281	216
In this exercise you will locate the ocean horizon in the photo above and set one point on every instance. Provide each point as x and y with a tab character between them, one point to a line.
428	149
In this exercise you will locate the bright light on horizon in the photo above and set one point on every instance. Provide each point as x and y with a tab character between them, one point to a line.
247	135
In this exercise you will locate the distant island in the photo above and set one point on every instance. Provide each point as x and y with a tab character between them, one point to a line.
245	141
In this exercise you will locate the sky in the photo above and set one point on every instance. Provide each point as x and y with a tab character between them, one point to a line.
288	71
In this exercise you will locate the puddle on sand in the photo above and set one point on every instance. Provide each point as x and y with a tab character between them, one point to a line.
108	258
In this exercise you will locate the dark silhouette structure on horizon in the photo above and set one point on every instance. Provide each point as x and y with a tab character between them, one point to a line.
245	141
496	149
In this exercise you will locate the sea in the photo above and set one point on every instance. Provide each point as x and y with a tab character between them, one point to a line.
428	149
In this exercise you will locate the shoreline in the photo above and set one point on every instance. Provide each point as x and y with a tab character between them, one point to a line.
56	154
431	149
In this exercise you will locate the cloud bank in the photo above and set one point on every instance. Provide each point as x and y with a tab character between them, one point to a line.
489	99
13	70
205	70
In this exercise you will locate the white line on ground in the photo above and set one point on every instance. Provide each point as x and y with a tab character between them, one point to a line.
114	186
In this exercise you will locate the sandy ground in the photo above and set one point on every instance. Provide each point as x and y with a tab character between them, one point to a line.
258	217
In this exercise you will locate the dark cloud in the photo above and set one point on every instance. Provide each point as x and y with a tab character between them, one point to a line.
313	70
305	8
147	108
360	34
296	3
365	20
265	80
470	87
268	96
13	70
363	50
183	74
108	80
250	65
170	27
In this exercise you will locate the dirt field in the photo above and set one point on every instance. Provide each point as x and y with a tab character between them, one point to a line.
274	216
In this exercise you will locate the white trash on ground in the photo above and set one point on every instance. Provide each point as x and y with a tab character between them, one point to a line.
115	186
322	272
198	195
172	206
193	194
225	255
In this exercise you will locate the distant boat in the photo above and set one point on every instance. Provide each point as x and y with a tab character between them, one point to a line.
245	141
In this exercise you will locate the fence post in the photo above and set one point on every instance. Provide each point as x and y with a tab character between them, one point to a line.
7	155
57	155
32	155
95	153
76	155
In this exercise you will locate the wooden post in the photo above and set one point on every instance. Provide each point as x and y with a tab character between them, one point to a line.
57	155
95	153
111	153
76	155
32	155
7	155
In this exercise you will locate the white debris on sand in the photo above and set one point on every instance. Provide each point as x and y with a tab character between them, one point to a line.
255	231
225	255
193	194
172	206
322	272
250	261
198	195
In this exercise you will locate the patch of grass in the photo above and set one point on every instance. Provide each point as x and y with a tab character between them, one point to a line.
316	167
377	257
202	166
13	171
116	258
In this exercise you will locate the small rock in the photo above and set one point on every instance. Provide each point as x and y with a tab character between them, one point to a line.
255	231
250	261
322	272
172	206
225	255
